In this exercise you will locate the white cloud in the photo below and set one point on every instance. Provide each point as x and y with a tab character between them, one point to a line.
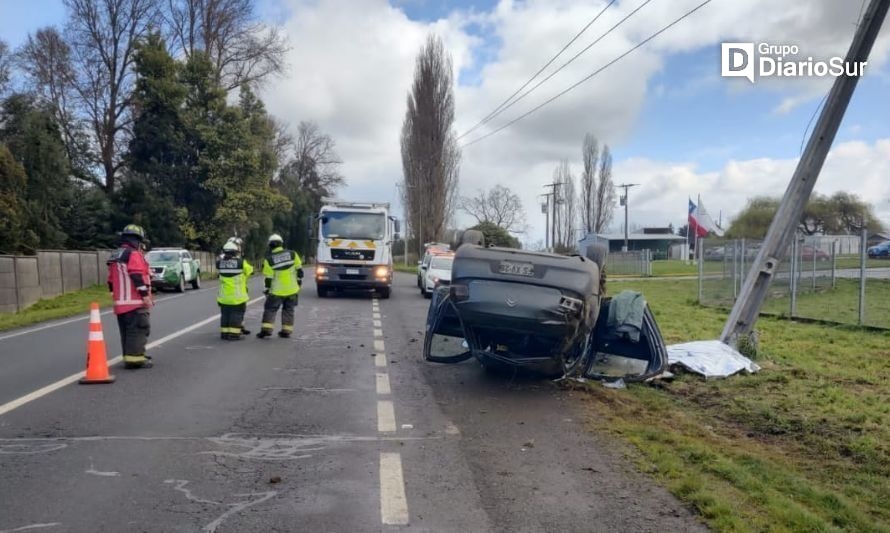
351	65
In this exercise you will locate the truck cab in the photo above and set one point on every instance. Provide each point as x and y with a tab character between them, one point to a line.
354	247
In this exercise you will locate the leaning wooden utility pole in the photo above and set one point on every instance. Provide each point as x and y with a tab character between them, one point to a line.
754	291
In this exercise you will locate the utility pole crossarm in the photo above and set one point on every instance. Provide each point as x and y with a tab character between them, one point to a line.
754	291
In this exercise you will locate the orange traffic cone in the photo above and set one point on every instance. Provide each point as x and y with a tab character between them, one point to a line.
97	364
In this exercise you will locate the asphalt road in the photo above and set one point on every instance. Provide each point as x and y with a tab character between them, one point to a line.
342	428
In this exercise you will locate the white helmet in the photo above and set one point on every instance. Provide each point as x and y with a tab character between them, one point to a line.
230	246
275	238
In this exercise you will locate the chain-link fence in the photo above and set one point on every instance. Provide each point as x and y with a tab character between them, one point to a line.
821	278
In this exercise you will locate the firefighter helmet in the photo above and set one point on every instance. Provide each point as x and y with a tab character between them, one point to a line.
275	238
134	231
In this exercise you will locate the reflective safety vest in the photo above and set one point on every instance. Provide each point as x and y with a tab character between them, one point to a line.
128	276
233	274
281	267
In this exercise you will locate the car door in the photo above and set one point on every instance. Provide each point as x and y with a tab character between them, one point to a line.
186	261
614	355
444	340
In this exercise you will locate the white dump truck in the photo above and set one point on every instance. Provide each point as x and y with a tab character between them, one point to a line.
354	246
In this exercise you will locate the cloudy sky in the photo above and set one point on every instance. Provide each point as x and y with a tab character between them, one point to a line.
674	125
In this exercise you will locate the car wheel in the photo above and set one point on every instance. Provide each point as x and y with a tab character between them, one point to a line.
196	283
384	293
180	287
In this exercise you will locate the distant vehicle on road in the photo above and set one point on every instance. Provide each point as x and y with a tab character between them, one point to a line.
437	274
173	268
354	246
809	253
880	250
430	249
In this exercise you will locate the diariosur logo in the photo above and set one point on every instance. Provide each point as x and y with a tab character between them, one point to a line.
738	60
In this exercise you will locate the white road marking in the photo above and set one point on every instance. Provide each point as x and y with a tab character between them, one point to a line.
84	317
376	316
407	426
379	347
380	360
238	507
451	429
393	504
52	387
94	472
32	526
386	417
383	384
377	323
378	332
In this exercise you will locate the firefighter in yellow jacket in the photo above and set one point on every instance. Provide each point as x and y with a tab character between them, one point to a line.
283	271
232	298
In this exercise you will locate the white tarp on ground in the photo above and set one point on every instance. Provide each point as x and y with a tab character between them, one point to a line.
712	359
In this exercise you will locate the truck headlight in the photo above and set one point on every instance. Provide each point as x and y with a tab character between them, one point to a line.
381	272
321	270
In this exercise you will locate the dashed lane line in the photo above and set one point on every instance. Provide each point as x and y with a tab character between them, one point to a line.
386	417
383	387
393	503
39	393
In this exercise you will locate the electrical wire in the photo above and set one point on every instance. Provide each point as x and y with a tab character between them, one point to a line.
570	61
588	77
494	113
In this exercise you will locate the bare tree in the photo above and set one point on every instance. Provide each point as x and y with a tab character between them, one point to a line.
4	65
314	164
102	35
430	155
604	206
242	49
45	60
590	154
565	222
499	206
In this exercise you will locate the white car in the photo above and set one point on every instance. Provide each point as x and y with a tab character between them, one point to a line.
437	273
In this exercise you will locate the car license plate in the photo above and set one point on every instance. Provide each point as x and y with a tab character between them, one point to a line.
516	269
352	272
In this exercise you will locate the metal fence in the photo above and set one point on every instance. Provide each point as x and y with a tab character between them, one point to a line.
818	279
635	263
26	279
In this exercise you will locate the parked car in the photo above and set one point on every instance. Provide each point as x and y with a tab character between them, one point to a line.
544	312
437	274
173	268
880	250
809	253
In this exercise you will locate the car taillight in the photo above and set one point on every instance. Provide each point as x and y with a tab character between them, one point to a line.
460	292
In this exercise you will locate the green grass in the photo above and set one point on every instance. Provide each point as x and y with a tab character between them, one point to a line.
803	445
66	305
409	269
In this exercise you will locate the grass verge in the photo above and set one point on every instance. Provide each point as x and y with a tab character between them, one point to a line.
408	269
66	305
803	445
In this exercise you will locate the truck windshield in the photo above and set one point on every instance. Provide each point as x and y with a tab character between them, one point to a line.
364	226
162	256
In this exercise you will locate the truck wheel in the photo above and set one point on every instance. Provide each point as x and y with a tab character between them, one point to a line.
196	283
180	287
384	293
322	292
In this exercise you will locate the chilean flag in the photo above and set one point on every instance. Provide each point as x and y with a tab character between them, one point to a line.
700	222
695	229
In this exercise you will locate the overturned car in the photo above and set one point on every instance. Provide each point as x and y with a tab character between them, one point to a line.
544	312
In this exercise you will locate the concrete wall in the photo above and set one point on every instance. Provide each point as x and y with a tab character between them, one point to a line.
28	281
70	271
49	265
8	296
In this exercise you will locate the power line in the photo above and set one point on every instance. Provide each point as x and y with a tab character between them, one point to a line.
538	73
588	77
564	65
